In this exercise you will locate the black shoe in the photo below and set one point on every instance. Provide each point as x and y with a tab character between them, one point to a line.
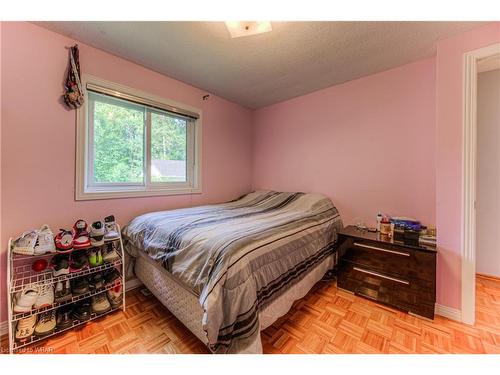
60	264
82	311
111	275
96	281
63	292
64	317
79	261
80	286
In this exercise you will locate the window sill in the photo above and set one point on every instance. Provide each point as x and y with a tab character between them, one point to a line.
94	195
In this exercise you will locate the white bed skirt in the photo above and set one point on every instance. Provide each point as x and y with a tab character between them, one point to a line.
185	305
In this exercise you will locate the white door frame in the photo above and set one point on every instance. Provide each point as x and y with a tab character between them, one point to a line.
469	179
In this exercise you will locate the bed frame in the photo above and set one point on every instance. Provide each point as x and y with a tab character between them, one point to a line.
184	304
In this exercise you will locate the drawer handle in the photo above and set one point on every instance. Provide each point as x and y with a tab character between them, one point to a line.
382	276
380	249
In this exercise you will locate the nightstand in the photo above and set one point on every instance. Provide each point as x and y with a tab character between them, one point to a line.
394	273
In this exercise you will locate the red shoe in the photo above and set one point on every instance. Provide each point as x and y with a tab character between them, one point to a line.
81	237
64	240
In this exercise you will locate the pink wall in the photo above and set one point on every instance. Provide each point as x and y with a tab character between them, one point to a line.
2	260
449	81
390	142
414	112
368	144
38	136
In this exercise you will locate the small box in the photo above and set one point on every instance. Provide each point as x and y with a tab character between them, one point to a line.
411	237
406	236
399	234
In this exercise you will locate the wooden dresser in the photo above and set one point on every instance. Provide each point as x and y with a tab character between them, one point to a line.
397	274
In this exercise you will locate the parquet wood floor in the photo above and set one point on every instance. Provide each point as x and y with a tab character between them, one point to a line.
327	320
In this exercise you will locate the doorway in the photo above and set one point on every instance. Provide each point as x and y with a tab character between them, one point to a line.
488	169
475	61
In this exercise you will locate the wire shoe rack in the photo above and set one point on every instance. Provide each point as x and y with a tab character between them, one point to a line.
20	275
75	323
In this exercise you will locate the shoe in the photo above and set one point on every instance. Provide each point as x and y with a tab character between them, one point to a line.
110	253
64	240
25	244
25	328
82	311
64	317
45	241
100	303
115	297
60	264
79	261
111	275
46	323
97	233
79	286
96	281
95	257
111	229
80	235
46	297
26	298
63	292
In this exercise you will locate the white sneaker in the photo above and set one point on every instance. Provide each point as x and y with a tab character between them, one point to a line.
26	299
115	297
25	328
111	229
25	244
46	324
45	298
100	303
59	287
97	233
110	254
45	241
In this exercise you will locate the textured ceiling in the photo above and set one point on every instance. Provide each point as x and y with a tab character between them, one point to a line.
294	59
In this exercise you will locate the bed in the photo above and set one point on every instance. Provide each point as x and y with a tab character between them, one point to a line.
228	271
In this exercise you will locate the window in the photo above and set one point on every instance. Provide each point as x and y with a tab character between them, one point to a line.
134	144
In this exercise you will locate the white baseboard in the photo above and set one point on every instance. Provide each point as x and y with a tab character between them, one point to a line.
132	284
448	312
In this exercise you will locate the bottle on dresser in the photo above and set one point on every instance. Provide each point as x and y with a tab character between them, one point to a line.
379	220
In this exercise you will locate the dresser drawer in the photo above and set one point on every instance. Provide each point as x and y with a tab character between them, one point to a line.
399	275
391	259
404	293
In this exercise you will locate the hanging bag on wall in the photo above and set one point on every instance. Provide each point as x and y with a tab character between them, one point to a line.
74	95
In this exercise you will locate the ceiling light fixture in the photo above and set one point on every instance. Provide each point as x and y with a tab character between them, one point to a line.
245	28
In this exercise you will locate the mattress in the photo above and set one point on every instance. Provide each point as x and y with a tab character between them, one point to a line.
238	257
184	304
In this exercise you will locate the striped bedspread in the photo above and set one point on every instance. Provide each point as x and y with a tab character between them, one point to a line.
238	256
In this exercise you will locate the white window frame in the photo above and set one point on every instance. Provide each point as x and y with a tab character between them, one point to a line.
87	190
